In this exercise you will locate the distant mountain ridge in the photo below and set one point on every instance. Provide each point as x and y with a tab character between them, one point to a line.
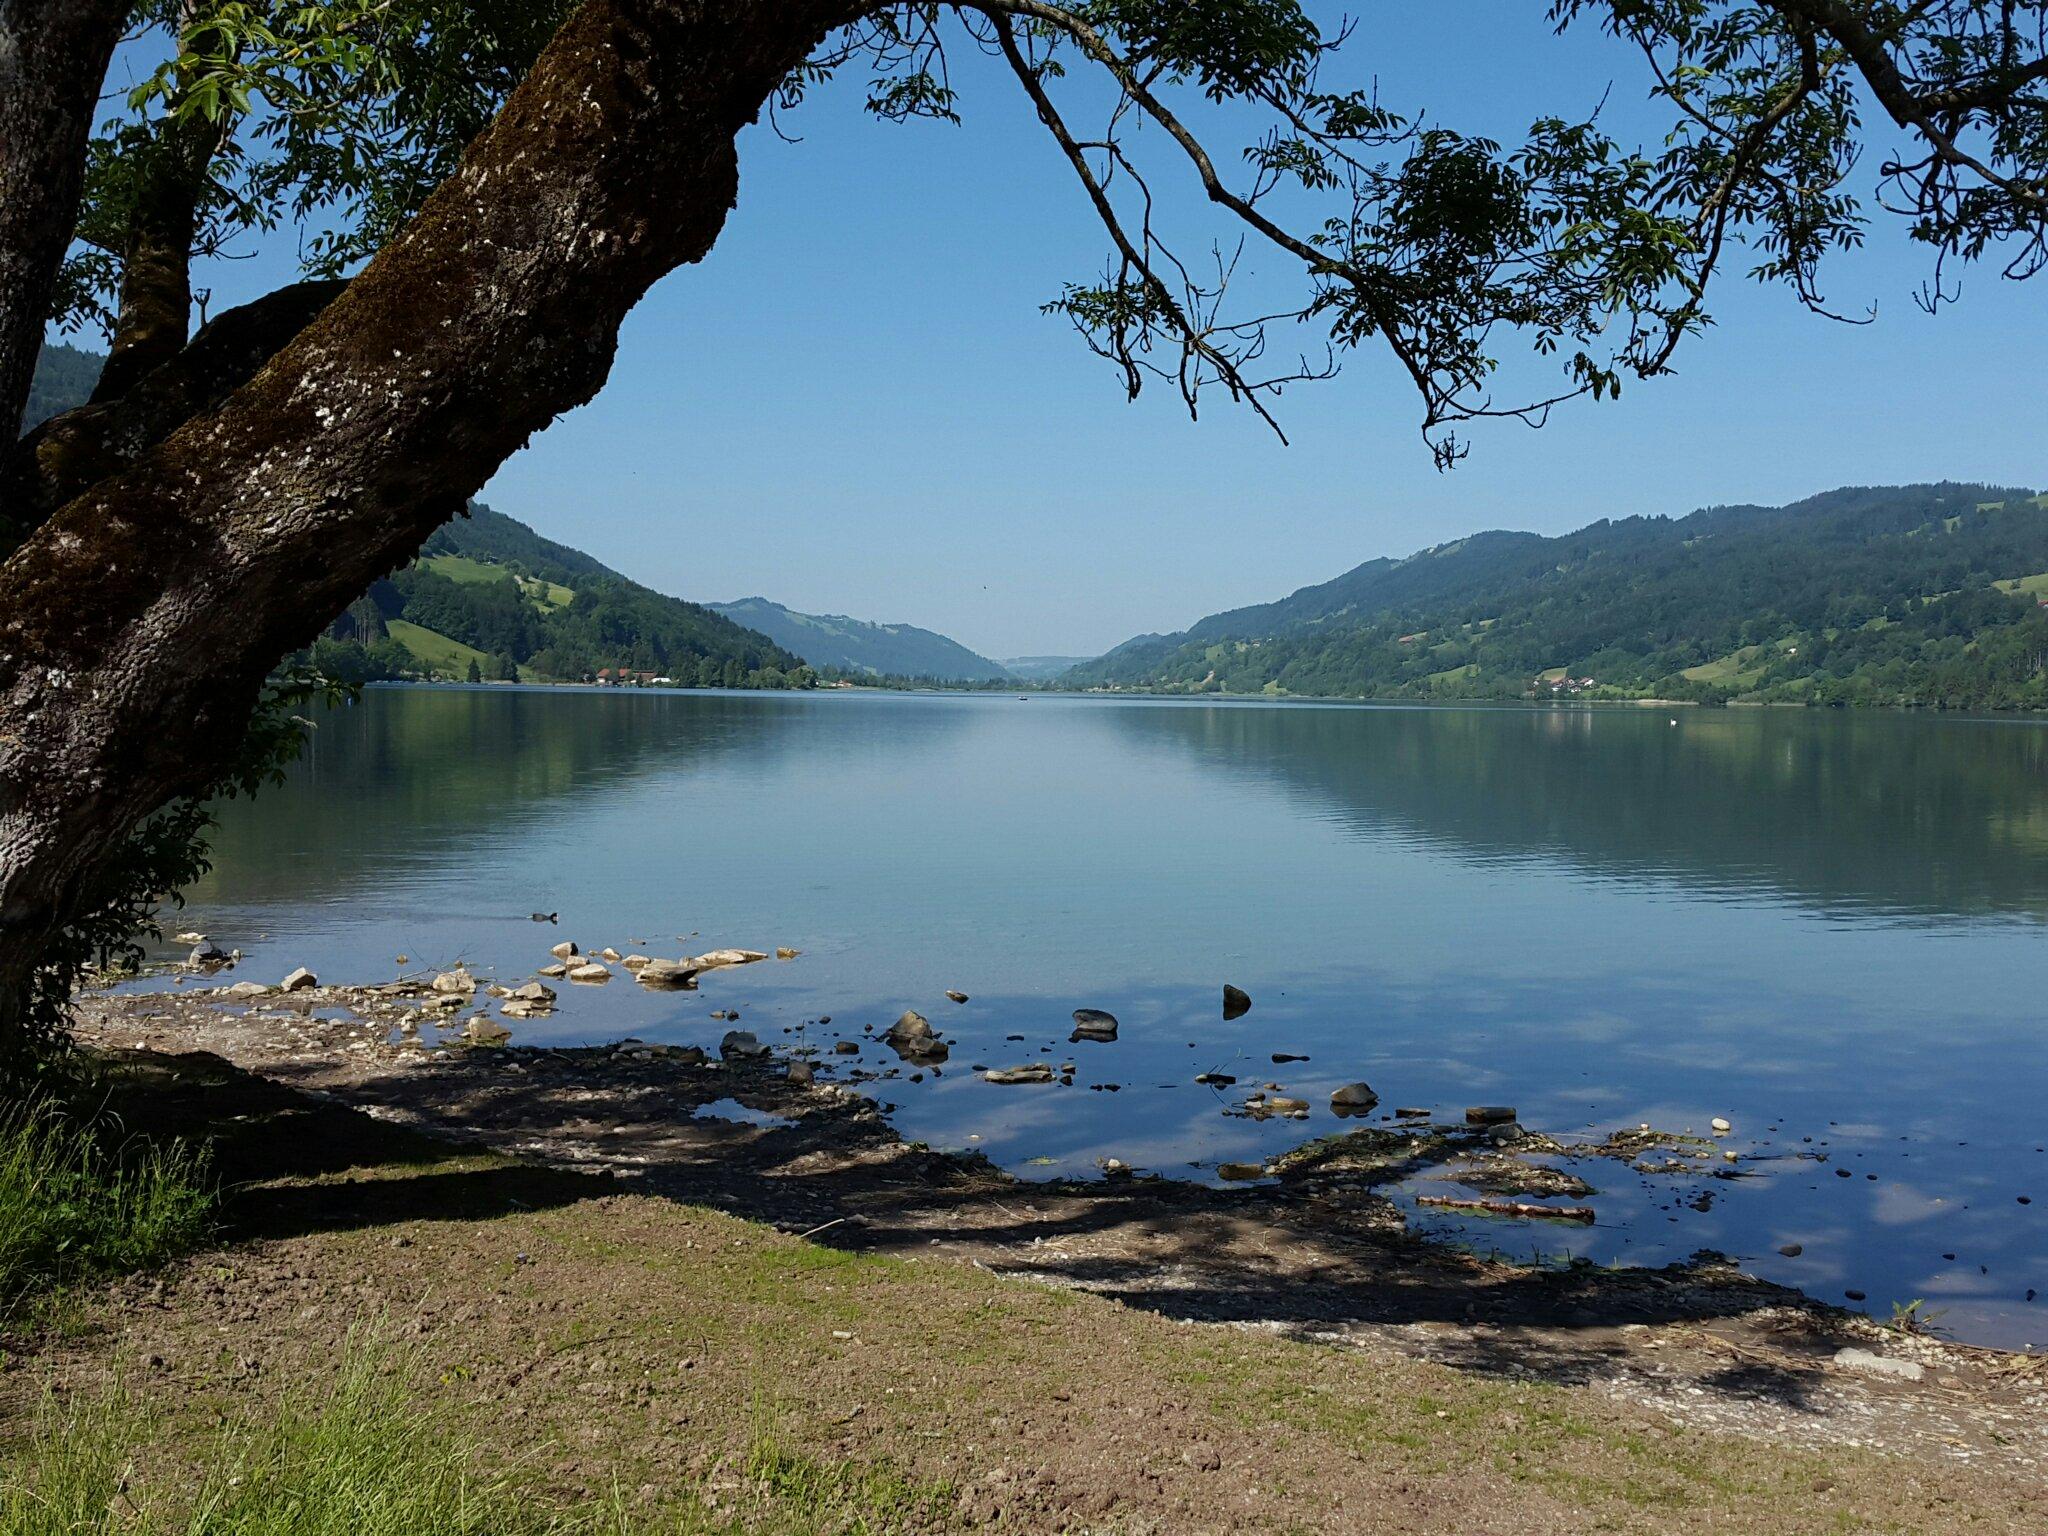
1884	594
1038	669
857	646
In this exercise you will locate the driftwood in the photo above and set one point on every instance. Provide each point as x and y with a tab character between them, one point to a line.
1511	1208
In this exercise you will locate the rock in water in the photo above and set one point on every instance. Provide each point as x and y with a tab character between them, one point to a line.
741	1044
534	992
608	953
717	957
1354	1099
784	952
958	997
1721	1127
667	973
565	949
1094	1024
1236	1002
247	989
590	972
1239	1172
801	1074
455	983
190	938
910	1029
1489	1114
208	956
485	1030
1036	1072
557	969
299	981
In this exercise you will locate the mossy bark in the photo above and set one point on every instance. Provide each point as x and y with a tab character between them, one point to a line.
138	622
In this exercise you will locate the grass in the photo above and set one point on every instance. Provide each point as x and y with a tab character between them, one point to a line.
74	1203
476	573
364	1457
436	651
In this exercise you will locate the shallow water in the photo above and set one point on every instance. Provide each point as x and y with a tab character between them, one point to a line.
1819	925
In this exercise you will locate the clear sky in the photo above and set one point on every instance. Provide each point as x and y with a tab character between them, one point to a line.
855	406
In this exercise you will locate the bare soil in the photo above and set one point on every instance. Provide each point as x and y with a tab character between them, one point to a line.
615	1288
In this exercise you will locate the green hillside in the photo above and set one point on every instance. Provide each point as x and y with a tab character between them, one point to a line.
1924	594
857	647
490	598
63	380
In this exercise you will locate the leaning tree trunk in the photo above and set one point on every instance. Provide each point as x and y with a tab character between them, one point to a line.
53	54
138	622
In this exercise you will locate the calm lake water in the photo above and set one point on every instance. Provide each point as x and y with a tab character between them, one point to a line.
1828	928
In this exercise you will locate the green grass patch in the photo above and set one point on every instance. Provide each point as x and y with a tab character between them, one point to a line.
436	651
76	1202
479	573
366	1458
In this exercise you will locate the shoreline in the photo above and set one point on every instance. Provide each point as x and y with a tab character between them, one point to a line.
1318	1252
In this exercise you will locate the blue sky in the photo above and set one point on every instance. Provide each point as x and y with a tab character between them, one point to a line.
854	404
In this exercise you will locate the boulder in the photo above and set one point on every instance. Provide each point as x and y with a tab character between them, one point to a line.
485	1030
565	949
557	969
741	1044
1093	1024
534	992
634	962
911	1028
608	953
208	957
300	980
1869	1363
591	972
1236	1002
667	973
1354	1099
455	983
1036	1072
712	958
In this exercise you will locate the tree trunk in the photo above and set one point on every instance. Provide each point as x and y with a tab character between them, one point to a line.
53	55
137	624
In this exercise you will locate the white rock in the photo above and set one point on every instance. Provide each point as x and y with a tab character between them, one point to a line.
1721	1127
1871	1364
590	972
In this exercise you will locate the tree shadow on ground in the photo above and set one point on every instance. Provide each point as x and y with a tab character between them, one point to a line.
294	1159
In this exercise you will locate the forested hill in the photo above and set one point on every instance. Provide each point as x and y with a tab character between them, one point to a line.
491	599
858	647
1925	594
63	380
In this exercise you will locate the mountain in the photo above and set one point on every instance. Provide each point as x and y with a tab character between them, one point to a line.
833	641
488	597
64	379
1040	669
1918	594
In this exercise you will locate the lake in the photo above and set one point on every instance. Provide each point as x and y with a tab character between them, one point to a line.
1826	927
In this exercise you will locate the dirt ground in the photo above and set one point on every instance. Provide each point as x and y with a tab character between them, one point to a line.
621	1290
